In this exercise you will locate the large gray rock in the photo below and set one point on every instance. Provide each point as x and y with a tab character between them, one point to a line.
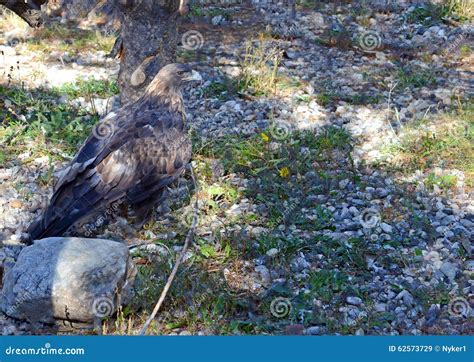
73	279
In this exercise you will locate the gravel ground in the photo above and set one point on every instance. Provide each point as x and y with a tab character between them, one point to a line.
386	254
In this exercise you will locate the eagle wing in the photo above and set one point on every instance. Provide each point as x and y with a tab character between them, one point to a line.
142	154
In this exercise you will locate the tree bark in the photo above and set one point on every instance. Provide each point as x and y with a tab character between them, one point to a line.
29	11
149	39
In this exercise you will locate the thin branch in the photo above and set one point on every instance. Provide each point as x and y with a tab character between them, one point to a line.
178	261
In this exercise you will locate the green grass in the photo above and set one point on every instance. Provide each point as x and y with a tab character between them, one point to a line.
328	284
199	11
36	122
68	39
446	141
461	9
222	90
415	78
444	182
88	88
431	13
427	14
259	68
466	50
253	158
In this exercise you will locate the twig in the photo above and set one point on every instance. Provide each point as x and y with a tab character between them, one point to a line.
388	106
178	261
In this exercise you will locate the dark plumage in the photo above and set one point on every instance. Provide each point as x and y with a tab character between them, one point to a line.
131	155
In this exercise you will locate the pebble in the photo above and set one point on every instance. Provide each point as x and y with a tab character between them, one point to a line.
354	300
406	297
386	228
314	331
264	274
272	252
408	224
16	204
343	183
449	270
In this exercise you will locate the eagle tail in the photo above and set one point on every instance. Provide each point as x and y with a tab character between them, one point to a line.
59	217
40	228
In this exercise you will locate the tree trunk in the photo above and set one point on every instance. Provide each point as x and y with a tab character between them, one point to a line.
149	39
29	11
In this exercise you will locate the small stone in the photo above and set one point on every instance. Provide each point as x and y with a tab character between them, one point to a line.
314	331
354	300
381	192
343	184
448	269
272	252
360	332
15	203
264	274
467	224
386	228
380	307
294	330
216	20
406	297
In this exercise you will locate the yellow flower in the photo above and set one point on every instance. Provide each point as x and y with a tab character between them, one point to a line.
284	172
265	137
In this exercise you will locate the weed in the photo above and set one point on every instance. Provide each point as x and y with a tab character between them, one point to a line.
326	284
415	78
259	68
222	90
444	141
88	87
444	182
36	122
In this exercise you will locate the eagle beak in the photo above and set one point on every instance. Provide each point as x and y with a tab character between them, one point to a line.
194	76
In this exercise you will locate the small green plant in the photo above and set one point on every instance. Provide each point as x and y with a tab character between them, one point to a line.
465	50
415	78
308	4
444	182
427	14
88	87
222	90
200	11
445	141
462	9
259	68
326	284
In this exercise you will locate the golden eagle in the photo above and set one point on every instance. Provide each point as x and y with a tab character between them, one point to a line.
131	155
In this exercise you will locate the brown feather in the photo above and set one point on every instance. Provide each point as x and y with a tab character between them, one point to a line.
146	149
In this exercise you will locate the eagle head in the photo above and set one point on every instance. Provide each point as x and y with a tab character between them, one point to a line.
168	82
174	76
